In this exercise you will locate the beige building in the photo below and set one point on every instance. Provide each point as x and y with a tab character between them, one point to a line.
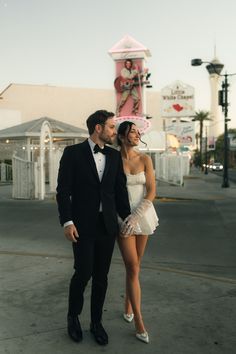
21	103
36	122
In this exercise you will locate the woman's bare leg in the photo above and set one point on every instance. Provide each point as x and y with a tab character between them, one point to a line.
132	249
141	241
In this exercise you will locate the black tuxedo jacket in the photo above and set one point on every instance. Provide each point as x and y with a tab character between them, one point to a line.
79	190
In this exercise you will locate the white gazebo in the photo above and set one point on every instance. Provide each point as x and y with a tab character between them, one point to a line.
35	149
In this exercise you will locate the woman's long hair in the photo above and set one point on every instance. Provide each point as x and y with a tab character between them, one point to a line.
124	129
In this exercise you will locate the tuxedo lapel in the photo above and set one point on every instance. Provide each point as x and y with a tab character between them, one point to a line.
89	156
108	163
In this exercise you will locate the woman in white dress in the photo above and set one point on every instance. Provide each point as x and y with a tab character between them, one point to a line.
142	191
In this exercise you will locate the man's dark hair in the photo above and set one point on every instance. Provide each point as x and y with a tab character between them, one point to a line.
98	117
129	60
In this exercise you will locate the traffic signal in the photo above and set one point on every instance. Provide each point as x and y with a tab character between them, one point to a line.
221	98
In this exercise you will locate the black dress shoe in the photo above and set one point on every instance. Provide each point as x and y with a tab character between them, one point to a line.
74	328
99	333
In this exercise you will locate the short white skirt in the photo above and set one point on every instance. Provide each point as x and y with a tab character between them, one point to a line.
147	224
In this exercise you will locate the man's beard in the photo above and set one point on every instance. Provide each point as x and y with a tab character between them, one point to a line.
107	140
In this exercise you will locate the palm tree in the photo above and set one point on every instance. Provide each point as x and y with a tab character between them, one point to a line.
197	137
201	116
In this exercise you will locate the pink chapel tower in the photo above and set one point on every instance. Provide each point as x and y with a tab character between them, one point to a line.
131	80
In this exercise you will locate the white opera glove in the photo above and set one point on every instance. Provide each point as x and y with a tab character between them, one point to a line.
130	223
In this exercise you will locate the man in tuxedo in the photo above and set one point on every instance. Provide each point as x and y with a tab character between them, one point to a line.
91	192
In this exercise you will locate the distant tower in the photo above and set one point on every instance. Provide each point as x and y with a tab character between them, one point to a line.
216	125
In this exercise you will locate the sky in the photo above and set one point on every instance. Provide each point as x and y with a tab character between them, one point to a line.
66	42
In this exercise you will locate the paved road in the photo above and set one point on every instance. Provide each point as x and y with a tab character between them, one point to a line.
188	277
231	174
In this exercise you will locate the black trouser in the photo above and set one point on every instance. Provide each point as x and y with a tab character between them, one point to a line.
92	256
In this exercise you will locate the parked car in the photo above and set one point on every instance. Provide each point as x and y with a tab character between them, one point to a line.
216	166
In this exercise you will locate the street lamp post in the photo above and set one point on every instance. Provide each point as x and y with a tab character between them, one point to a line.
206	162
223	101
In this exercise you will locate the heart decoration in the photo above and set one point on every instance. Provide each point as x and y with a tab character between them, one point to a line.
177	107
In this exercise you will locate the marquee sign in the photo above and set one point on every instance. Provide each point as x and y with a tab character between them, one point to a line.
177	100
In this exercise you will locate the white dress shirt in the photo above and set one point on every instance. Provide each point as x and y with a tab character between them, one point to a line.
99	158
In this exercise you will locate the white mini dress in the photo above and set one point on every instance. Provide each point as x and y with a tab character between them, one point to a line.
136	186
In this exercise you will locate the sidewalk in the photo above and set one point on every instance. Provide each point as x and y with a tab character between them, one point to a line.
186	310
198	186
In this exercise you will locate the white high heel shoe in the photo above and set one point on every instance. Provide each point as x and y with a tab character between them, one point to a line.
128	317
143	337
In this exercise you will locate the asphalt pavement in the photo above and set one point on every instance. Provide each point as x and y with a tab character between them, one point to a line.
188	276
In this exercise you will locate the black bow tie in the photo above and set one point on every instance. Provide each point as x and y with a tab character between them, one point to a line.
97	149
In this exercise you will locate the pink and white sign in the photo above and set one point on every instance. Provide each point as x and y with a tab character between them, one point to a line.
183	131
129	87
142	123
177	100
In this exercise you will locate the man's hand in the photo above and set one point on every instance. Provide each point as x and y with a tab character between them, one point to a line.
71	233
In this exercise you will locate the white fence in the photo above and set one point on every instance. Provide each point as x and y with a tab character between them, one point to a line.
24	173
30	178
171	168
5	172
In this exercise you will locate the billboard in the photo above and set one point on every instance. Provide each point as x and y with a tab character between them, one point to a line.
232	141
211	143
184	132
177	100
